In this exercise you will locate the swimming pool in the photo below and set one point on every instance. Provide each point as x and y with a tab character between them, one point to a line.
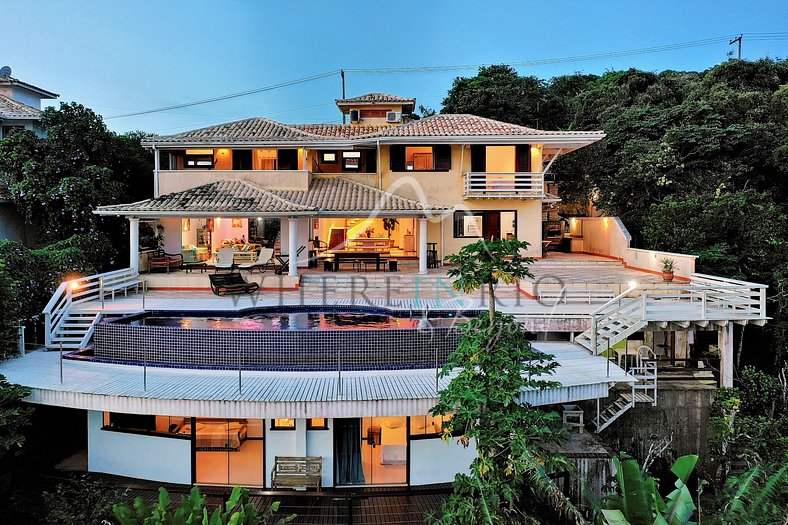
282	339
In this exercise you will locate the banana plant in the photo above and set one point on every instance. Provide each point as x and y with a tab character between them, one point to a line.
639	501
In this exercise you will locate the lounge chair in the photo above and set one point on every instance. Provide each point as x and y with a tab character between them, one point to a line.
264	259
231	283
225	259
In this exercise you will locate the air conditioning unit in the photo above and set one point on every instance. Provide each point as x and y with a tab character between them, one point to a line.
355	115
393	116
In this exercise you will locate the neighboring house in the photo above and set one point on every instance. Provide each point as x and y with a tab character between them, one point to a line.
20	108
194	388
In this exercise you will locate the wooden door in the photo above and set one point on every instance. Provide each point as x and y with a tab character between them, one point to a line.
492	226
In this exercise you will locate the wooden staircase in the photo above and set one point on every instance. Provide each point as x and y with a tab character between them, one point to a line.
612	323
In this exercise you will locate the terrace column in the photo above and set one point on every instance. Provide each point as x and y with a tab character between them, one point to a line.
134	243
292	245
725	344
423	246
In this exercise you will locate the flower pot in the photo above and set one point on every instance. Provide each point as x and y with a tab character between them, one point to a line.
667	276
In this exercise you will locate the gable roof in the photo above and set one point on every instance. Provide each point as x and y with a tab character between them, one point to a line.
12	110
43	93
465	125
251	130
408	104
239	198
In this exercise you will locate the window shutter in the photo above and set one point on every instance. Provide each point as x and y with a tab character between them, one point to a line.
478	158
371	157
287	159
397	157
523	158
442	156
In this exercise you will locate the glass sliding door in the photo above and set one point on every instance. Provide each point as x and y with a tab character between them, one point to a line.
229	451
385	450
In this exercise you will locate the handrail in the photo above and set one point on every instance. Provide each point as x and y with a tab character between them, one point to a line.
715	278
74	291
614	300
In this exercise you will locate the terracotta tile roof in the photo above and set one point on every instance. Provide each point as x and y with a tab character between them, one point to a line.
227	196
377	98
11	109
236	197
251	130
450	125
340	131
341	194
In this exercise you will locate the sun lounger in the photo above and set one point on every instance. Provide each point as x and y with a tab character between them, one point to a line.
262	262
225	259
231	283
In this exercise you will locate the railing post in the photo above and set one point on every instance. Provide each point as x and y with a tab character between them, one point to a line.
101	291
763	302
21	342
703	304
594	335
61	362
47	329
643	295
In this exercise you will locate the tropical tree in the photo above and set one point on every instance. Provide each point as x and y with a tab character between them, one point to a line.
490	369
484	263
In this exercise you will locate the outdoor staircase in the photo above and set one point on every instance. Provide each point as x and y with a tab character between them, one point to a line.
612	323
644	390
74	329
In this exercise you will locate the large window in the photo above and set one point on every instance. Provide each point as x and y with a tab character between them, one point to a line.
493	224
501	159
422	427
145	424
420	158
229	451
198	159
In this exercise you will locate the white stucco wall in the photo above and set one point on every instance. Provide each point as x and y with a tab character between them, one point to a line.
321	443
304	233
433	461
137	456
283	443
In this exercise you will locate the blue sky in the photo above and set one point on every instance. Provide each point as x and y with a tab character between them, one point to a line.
119	57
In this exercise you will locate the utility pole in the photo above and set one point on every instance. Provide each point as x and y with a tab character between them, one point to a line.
342	74
737	40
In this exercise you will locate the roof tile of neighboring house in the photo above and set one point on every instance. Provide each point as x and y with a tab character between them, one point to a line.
257	129
11	109
448	125
376	98
341	194
338	131
236	197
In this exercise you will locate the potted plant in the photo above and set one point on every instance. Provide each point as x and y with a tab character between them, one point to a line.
668	266
389	223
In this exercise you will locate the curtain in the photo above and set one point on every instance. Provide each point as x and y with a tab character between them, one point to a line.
348	469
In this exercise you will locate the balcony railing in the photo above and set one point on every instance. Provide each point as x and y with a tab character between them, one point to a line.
480	185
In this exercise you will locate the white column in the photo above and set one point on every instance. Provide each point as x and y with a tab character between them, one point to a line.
292	245
725	344
423	246
134	243
156	169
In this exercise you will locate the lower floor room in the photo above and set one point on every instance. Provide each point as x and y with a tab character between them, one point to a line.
363	451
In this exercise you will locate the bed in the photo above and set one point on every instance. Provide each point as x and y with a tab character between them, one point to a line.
393	454
217	434
394	451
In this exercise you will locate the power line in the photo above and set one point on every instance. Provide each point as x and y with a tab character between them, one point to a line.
230	96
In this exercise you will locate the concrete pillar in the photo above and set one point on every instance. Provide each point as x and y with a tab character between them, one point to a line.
725	344
648	339
300	437
292	245
423	246
156	169
681	347
134	243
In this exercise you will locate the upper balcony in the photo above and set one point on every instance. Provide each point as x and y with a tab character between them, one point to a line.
521	185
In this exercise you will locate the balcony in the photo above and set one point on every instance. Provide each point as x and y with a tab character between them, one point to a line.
481	185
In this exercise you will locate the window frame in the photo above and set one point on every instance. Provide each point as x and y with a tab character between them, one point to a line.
404	149
276	427
432	435
483	214
323	157
311	426
105	416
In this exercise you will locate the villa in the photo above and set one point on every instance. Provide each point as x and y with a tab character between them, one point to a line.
344	227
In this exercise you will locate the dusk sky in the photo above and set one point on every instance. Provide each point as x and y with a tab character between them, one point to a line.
121	57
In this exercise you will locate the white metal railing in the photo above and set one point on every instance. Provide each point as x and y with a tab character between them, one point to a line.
503	185
79	290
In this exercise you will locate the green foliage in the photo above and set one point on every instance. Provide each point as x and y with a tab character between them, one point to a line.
14	416
753	499
57	181
81	501
638	500
484	263
238	510
492	364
